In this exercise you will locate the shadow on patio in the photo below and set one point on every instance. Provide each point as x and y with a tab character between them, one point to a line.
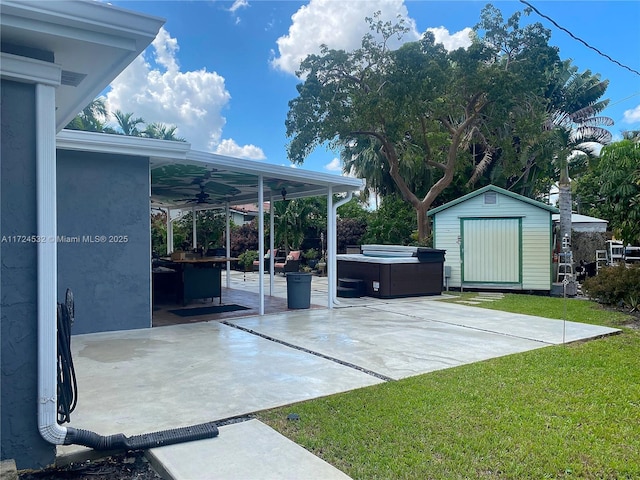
244	292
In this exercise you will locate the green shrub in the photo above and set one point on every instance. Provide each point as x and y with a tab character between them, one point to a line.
245	260
618	286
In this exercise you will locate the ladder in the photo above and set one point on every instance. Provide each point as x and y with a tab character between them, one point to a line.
615	252
565	267
601	259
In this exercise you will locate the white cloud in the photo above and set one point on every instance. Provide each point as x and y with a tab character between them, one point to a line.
237	4
162	93
334	165
461	39
230	148
339	25
632	115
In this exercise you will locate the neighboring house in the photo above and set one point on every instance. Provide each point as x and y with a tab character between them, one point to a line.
241	214
584	223
496	239
589	235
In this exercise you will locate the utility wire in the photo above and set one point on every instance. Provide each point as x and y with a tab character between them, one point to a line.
579	39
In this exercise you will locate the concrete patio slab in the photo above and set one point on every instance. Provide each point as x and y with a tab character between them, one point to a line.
141	381
393	344
512	324
247	450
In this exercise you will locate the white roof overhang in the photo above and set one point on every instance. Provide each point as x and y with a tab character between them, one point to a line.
91	42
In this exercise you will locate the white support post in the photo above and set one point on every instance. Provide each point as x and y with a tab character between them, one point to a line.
193	218
228	244
331	252
261	240
169	233
272	235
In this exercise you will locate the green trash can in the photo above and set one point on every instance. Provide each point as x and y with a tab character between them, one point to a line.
298	290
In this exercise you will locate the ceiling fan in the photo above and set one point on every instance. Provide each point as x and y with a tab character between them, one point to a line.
202	197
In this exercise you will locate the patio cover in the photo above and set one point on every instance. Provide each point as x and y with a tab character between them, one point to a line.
182	178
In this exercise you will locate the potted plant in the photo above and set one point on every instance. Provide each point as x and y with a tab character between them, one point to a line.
311	256
321	266
246	259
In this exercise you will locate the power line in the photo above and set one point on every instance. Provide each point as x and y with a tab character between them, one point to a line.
624	99
579	39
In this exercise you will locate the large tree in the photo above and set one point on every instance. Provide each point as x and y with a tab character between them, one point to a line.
421	111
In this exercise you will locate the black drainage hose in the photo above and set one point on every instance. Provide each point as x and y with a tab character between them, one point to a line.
140	442
67	399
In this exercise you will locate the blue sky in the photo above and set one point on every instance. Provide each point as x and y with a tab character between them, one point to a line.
223	71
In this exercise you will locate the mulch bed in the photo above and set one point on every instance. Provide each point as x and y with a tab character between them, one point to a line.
126	466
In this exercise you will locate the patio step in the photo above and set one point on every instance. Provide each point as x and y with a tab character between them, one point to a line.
350	288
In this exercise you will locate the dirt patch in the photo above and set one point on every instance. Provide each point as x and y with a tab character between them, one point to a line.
126	466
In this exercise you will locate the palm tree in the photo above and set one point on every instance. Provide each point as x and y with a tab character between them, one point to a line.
91	118
577	132
162	132
365	160
292	219
128	125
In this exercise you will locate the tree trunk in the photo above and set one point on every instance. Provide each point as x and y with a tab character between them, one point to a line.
564	201
424	227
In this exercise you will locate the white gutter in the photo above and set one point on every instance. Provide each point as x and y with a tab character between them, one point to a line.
46	213
332	246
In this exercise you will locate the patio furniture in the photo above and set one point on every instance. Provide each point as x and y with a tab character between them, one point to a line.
200	278
266	260
291	263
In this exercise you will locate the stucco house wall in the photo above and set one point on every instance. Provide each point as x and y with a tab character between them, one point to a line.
104	246
531	249
21	439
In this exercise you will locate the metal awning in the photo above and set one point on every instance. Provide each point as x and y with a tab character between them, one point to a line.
181	178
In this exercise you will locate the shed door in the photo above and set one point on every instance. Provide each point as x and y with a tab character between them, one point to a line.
490	250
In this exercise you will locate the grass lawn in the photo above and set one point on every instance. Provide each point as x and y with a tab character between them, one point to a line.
570	411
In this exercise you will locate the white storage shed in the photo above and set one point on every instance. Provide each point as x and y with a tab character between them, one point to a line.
495	239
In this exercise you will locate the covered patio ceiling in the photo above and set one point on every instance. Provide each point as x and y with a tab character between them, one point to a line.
205	181
182	178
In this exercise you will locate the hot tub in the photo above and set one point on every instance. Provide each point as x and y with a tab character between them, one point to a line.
394	271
